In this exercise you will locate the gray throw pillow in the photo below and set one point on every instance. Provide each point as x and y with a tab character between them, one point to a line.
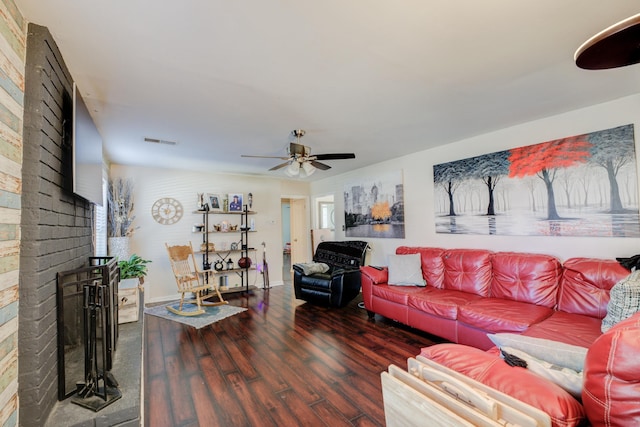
405	270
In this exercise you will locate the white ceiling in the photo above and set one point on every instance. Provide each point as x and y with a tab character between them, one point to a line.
378	78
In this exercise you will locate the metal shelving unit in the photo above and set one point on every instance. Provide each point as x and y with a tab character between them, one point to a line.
224	256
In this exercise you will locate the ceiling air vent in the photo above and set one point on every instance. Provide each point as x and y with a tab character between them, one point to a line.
160	141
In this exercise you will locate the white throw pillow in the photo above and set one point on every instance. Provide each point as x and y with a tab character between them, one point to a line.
405	270
567	378
624	302
555	352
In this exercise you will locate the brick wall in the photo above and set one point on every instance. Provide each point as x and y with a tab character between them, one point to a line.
12	54
56	225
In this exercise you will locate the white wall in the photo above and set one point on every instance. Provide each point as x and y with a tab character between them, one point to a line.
149	239
419	194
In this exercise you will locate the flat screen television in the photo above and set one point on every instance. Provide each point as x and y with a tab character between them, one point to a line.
86	152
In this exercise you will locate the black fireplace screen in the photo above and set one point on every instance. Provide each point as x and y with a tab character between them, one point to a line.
71	320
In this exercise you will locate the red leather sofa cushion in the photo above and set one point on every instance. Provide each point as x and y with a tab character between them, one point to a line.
432	264
532	278
611	393
397	294
467	270
574	329
585	285
441	302
501	315
519	383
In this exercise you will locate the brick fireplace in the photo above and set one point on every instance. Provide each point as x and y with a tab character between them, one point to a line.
56	225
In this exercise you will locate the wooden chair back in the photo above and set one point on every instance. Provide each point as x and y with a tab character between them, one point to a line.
190	279
185	270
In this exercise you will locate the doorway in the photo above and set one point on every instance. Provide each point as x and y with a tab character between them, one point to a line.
295	231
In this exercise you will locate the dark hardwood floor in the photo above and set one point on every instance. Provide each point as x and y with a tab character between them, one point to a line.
283	362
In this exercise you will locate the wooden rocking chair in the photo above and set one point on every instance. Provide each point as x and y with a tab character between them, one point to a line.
190	279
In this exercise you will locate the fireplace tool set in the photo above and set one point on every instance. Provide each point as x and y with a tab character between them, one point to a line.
100	388
87	305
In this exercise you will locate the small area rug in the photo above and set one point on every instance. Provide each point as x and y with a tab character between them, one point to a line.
211	314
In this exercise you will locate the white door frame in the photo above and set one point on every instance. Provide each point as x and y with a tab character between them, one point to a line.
301	233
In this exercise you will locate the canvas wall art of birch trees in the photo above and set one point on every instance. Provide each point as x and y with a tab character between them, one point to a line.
583	185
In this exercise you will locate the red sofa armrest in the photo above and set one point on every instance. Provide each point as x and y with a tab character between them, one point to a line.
612	376
369	277
375	276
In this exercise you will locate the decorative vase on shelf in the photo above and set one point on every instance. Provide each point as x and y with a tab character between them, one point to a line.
119	247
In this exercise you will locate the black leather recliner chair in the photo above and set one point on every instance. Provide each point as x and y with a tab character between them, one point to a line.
338	286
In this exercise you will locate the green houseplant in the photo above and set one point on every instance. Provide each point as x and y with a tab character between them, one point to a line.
134	267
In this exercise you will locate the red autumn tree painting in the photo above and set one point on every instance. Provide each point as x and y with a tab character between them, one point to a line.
583	185
545	160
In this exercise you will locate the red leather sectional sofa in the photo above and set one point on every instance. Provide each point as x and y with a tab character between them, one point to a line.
470	293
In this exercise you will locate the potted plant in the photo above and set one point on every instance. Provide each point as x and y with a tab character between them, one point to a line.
133	268
132	272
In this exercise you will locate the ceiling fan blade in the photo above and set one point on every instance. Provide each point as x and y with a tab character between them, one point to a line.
301	154
319	165
265	157
280	166
335	156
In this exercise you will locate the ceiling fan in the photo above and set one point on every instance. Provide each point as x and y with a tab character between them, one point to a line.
300	161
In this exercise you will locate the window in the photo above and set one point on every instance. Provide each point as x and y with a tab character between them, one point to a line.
100	224
326	215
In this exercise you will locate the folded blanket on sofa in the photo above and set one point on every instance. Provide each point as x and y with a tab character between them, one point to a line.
312	267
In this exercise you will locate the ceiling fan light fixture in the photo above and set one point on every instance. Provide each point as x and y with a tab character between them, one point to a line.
308	168
293	169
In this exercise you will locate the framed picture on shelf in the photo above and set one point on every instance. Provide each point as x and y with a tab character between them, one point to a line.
235	202
215	202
